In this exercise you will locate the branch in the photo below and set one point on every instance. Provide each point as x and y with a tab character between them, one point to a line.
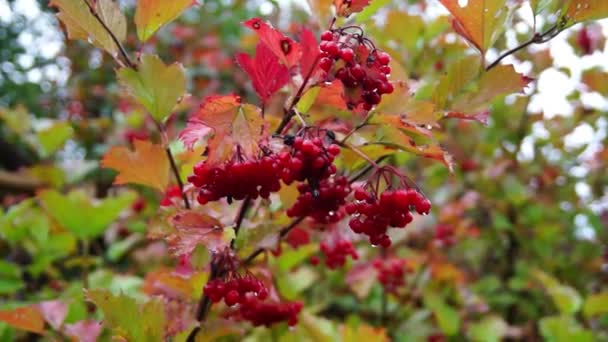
121	48
538	38
177	176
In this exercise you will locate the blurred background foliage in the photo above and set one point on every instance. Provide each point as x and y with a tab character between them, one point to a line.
515	247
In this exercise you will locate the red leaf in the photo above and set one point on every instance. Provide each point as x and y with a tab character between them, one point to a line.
344	8
54	312
265	71
481	117
233	123
84	331
285	48
309	65
195	130
192	229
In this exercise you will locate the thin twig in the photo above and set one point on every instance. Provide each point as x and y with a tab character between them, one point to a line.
538	38
121	48
359	153
177	176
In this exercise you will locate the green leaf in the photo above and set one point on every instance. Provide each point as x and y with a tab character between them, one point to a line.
154	85
53	138
262	236
446	316
81	24
489	329
370	10
120	313
308	99
563	329
150	15
75	211
566	298
293	283
596	304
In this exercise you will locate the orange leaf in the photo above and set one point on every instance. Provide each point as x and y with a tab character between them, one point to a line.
147	164
344	8
152	14
25	318
583	10
234	124
480	22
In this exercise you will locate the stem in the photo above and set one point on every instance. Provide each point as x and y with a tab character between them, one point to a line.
85	267
300	118
177	176
536	39
121	48
360	154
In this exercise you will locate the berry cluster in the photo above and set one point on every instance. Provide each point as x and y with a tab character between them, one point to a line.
372	215
324	203
236	290
356	62
391	273
297	237
236	179
444	235
311	157
336	253
267	313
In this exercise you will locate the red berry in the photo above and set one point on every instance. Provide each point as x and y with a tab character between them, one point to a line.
383	58
232	298
326	63
327	36
347	54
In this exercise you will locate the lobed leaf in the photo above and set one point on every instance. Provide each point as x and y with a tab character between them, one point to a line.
286	49
147	164
233	124
264	70
83	25
25	318
154	85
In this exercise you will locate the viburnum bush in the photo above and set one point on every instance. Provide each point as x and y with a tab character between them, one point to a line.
281	189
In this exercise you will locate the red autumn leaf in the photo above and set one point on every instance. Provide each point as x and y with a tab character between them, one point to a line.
344	8
233	124
481	117
84	331
26	318
285	48
309	65
265	71
192	229
54	312
195	131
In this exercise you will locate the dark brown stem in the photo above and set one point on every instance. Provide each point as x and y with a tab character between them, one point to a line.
121	48
538	38
175	171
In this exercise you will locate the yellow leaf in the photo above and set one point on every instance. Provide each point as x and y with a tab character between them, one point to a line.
147	164
480	22
363	332
24	318
150	15
154	85
81	24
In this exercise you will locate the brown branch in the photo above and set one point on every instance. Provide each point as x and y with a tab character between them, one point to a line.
537	38
121	48
175	171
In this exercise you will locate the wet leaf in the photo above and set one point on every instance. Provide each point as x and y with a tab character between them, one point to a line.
150	15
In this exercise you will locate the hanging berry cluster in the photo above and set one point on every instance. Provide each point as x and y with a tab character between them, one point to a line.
324	204
247	294
373	212
336	250
237	178
391	273
310	157
354	60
